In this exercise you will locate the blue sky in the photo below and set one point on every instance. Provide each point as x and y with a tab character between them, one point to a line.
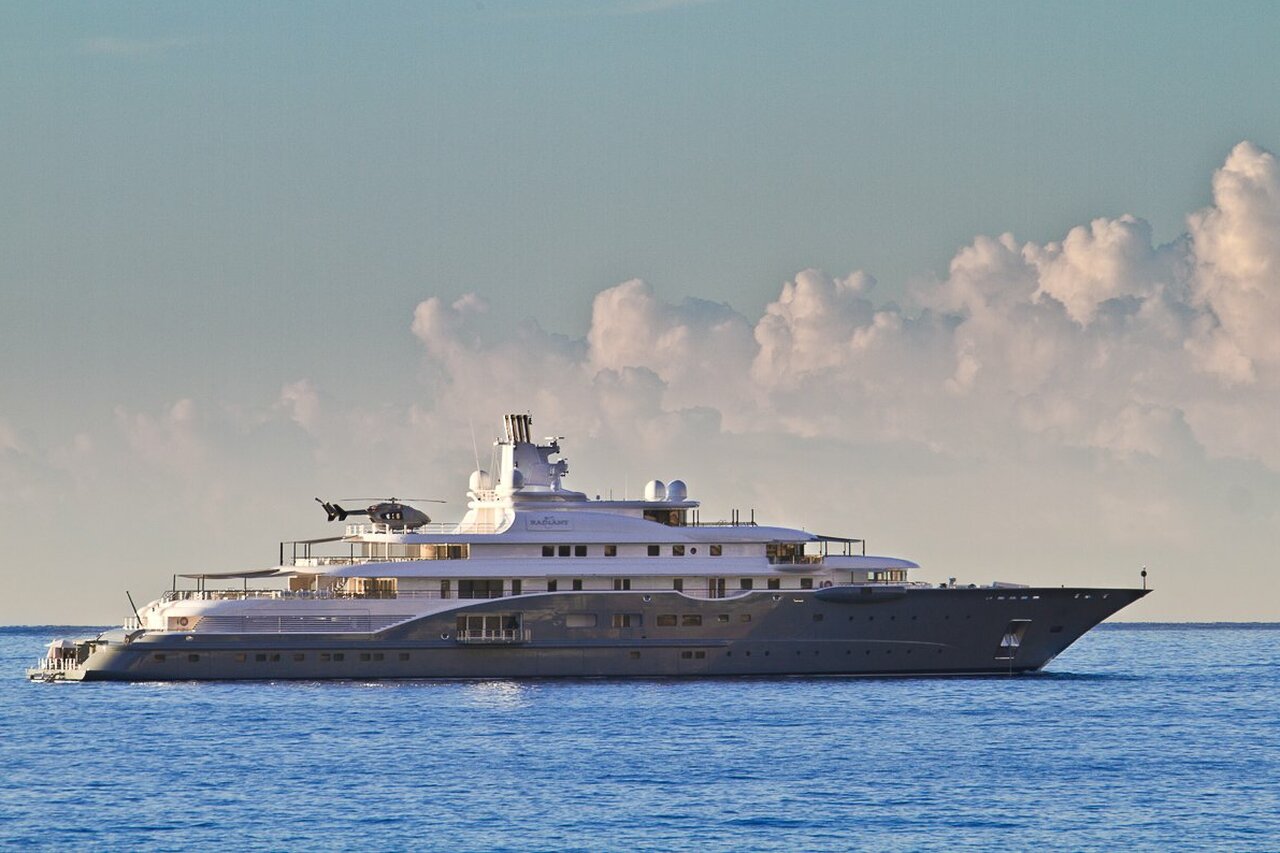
212	202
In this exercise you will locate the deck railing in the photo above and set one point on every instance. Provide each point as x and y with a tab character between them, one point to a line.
514	635
690	591
55	665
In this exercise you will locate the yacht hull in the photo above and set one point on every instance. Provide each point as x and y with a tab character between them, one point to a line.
922	632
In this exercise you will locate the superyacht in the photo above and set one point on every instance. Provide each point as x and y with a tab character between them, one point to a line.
538	580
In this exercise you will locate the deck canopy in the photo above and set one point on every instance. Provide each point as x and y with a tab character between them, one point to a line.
274	571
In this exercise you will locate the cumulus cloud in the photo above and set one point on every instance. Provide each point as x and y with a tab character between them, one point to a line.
1102	341
1237	256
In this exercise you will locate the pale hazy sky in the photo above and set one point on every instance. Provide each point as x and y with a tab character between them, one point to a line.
996	285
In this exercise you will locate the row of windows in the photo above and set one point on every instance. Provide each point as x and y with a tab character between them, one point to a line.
636	620
612	550
677	584
274	657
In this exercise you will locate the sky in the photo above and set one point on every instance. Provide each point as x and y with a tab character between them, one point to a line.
994	285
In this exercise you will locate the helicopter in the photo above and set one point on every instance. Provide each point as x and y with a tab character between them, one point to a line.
390	511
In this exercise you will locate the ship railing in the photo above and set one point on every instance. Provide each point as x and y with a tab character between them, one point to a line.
699	592
796	560
55	665
515	635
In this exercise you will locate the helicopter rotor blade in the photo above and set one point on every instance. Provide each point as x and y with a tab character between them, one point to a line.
394	500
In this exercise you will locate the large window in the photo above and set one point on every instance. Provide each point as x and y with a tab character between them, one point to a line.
551	585
482	588
580	620
806	583
548	550
579	550
577	584
655	550
678	584
677	550
746	583
666	620
563	550
717	550
626	620
622	583
611	550
691	620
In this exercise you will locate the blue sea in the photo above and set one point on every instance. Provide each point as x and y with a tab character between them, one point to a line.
1151	737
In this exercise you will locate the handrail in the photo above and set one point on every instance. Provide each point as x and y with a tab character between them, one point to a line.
514	635
57	664
690	591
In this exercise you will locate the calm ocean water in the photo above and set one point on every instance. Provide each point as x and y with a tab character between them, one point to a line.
1150	737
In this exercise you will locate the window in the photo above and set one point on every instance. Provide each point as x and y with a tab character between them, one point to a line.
299	657
745	617
817	617
611	550
746	583
622	583
806	583
158	657
326	656
687	655
678	584
655	550
377	655
690	620
365	656
722	617
579	550
551	585
241	657
481	588
404	656
260	658
677	550
775	583
517	586
635	655
444	589
193	658
626	620
580	620
548	550
699	655
667	620
564	550
717	550
339	656
577	584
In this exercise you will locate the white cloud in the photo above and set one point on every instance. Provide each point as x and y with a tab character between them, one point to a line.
1237	255
302	403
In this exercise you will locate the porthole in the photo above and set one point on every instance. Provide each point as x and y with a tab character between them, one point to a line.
777	598
444	636
648	598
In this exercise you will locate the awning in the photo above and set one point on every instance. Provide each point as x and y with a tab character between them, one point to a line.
251	573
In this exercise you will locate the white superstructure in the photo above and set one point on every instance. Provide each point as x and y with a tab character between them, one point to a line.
523	534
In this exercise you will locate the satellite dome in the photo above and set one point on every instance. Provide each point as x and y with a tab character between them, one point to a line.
677	491
480	481
517	479
655	490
